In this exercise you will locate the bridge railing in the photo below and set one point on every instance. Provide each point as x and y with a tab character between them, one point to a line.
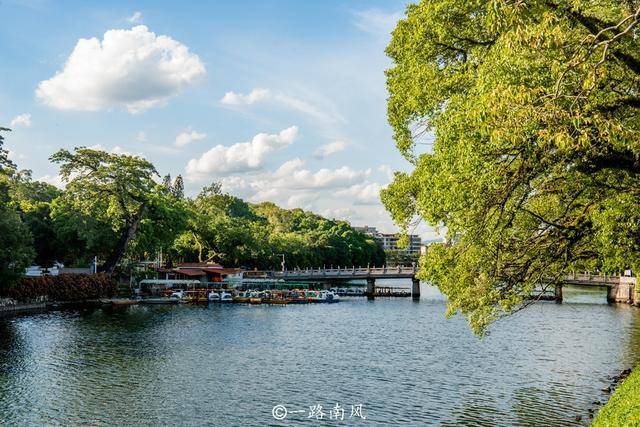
347	271
589	277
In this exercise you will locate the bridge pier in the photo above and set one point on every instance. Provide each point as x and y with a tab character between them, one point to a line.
415	289
558	293
623	292
371	288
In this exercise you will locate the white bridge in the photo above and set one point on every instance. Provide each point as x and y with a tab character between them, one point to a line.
332	275
347	273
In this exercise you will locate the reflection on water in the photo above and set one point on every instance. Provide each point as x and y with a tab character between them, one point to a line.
230	364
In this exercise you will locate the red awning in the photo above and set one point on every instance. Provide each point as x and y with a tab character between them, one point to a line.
189	272
221	271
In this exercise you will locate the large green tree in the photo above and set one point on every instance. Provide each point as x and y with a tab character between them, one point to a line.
114	206
32	199
16	251
522	121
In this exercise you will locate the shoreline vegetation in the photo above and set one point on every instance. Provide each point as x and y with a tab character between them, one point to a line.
623	407
118	209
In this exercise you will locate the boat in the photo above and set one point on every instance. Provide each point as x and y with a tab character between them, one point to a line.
241	297
277	297
332	297
315	296
196	296
226	297
298	297
214	296
256	297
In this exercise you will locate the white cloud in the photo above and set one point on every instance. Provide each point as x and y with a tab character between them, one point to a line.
115	150
376	21
329	149
386	169
136	18
257	95
240	157
132	69
55	180
365	193
142	137
23	120
346	214
293	185
291	175
234	99
12	155
188	136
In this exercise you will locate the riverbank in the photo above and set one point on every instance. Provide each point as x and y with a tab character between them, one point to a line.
623	408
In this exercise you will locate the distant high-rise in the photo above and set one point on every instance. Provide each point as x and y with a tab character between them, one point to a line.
390	241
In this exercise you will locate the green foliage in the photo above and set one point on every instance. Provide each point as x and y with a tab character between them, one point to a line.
112	204
16	252
623	408
5	163
535	165
32	199
113	209
228	230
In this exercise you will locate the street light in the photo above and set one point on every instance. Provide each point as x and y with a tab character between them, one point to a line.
282	263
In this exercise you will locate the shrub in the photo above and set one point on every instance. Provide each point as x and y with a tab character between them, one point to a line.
65	287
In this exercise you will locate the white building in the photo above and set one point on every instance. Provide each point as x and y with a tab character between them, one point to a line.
390	241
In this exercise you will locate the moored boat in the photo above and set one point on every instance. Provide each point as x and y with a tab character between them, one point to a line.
241	297
256	297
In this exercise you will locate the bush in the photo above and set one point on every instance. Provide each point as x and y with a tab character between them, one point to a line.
65	287
623	409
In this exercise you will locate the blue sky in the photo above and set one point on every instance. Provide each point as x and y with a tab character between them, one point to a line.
279	100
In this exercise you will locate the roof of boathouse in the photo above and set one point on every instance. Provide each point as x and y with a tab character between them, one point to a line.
198	265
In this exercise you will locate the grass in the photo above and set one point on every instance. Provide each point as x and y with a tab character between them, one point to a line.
623	409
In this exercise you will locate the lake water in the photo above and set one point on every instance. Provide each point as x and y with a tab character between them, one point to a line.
230	365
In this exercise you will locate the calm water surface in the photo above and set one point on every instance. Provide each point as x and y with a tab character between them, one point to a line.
230	364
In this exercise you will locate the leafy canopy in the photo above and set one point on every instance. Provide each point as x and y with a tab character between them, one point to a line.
113	204
534	165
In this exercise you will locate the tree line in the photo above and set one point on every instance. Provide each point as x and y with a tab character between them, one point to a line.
116	207
534	165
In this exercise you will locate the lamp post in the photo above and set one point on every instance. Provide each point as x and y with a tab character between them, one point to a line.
282	263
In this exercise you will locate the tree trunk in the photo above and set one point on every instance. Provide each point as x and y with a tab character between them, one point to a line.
128	233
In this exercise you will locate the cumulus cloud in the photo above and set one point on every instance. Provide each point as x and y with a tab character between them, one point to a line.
376	21
240	157
367	193
23	120
234	99
293	185
55	180
136	18
189	136
132	69
292	175
258	95
329	149
115	150
346	214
